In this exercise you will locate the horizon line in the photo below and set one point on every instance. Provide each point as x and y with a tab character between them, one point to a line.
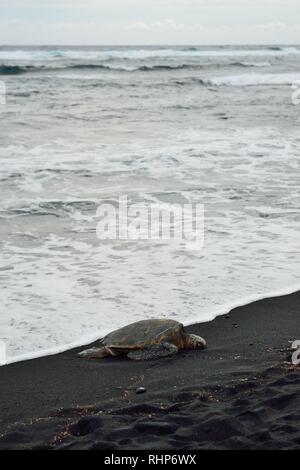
152	45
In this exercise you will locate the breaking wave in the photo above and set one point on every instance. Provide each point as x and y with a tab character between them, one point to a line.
21	69
46	54
15	69
254	79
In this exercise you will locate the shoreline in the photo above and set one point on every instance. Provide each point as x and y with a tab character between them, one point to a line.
224	310
240	393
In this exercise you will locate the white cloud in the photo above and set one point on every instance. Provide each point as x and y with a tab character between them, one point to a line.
165	31
166	24
150	21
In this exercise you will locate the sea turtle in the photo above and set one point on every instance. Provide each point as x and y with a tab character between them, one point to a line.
146	339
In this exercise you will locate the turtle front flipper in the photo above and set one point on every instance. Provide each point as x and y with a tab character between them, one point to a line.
153	351
95	353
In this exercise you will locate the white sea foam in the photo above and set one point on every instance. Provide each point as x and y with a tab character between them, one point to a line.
256	64
253	79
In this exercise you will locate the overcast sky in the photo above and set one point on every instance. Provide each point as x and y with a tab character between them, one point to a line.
149	22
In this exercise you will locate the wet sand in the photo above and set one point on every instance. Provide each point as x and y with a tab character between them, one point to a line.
240	393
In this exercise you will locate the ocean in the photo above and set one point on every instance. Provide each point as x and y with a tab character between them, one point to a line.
162	125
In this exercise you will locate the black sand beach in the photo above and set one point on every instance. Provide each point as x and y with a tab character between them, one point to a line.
240	393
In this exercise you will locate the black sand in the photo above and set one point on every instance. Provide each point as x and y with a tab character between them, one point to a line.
241	393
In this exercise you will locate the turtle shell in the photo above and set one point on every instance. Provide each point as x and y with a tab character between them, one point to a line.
138	334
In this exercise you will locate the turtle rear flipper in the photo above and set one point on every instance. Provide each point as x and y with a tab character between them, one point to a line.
95	353
153	351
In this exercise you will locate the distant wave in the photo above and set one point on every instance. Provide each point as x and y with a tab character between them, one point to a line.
193	66
254	79
144	68
21	69
277	48
15	69
101	54
149	68
253	64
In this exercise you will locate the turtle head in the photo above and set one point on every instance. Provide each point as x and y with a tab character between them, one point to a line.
195	342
